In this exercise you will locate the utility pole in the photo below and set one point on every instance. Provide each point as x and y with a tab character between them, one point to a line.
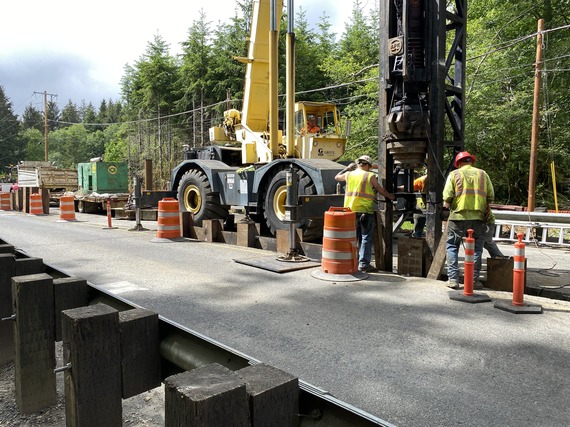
535	119
46	129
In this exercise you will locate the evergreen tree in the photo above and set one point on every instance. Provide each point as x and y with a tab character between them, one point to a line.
354	69
103	113
89	116
499	95
53	115
32	119
193	73
11	147
308	74
70	114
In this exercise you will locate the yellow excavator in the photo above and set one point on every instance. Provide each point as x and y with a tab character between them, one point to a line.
247	161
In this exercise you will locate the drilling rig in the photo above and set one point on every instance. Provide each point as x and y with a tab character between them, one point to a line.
421	108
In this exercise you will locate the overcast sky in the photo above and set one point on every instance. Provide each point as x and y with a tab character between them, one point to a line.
77	50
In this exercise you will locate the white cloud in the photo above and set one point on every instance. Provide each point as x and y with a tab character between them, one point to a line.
78	50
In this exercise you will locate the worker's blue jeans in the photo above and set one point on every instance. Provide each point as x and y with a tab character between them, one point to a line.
456	230
365	235
419	225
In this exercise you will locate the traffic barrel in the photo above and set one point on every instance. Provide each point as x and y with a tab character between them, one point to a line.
168	219
339	242
66	208
469	264
339	258
5	202
36	204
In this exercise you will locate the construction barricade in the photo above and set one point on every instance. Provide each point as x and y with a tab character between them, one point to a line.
168	225
5	202
339	259
36	204
66	209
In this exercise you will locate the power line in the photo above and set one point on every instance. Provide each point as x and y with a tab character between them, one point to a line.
510	43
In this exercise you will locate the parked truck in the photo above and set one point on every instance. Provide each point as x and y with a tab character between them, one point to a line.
44	175
247	161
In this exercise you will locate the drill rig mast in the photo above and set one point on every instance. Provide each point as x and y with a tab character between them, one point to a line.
422	75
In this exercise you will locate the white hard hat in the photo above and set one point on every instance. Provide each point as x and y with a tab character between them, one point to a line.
364	159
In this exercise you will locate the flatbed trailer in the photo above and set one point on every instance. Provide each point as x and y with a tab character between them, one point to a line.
96	202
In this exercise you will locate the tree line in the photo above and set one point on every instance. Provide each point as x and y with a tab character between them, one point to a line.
168	101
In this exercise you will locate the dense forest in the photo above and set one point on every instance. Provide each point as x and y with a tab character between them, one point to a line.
168	101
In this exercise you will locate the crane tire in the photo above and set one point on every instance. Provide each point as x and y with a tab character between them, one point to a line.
195	195
275	200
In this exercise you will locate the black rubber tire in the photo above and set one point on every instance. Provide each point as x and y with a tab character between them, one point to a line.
195	195
275	200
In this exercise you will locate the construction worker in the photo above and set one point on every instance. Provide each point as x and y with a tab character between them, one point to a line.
311	125
420	218
360	197
467	194
490	245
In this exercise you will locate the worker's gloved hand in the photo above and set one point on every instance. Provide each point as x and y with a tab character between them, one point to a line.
444	215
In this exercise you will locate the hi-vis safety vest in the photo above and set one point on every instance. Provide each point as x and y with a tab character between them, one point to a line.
359	195
470	190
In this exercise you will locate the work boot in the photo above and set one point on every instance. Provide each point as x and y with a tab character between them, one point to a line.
453	284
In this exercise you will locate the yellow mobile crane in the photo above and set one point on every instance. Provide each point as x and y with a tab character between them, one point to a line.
247	162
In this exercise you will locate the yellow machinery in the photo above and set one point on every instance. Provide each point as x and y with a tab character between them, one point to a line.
251	128
247	162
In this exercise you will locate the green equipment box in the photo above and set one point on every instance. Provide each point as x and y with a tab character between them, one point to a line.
103	177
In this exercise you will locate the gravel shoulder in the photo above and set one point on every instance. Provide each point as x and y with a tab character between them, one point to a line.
146	409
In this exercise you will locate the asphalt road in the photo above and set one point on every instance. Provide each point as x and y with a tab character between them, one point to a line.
394	346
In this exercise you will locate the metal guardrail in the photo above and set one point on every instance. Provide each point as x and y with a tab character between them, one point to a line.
545	228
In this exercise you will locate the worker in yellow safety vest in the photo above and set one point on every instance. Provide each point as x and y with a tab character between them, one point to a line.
360	197
467	195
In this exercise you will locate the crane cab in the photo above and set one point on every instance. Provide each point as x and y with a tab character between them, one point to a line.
317	131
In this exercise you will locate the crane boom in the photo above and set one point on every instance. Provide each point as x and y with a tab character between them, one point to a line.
256	92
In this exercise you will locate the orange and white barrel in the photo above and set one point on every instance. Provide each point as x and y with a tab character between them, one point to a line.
5	202
339	251
168	226
36	204
66	208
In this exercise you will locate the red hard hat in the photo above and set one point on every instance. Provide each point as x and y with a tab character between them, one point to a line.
462	156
